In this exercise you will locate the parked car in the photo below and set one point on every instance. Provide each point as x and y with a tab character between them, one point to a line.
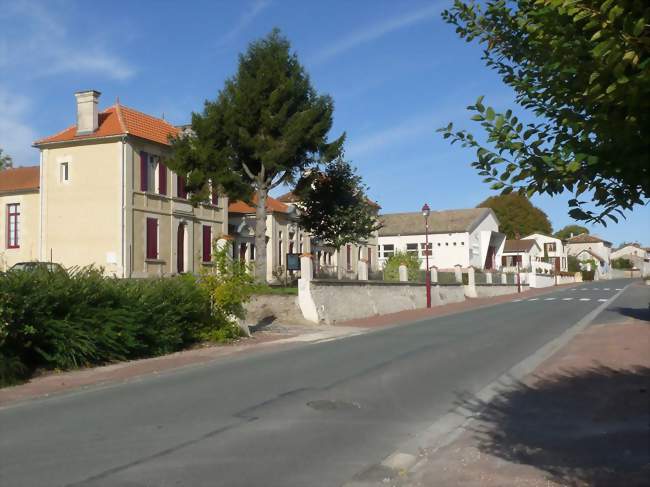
35	265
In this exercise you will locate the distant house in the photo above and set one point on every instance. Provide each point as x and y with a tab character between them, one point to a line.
456	237
19	215
283	235
634	252
587	247
343	262
553	250
521	253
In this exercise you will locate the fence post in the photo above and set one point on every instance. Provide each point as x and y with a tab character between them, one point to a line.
488	278
305	298
458	272
403	273
306	267
434	274
504	278
362	270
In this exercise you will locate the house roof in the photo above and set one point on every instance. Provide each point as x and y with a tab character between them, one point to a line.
290	197
524	245
446	221
19	179
586	238
272	205
119	120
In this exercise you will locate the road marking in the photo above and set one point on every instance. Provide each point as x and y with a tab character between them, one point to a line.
584	289
605	289
602	300
516	300
619	289
585	299
595	289
567	299
549	299
533	299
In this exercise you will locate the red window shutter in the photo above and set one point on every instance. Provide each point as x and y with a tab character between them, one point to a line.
207	243
144	171
180	187
162	178
152	238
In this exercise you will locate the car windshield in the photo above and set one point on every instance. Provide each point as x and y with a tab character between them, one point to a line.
32	266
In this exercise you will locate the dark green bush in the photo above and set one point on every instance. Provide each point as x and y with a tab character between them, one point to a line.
55	320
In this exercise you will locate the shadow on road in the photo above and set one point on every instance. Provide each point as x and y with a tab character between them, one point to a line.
642	314
581	427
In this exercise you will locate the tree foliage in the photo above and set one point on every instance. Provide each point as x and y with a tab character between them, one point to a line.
517	215
582	68
334	206
266	127
622	263
5	160
569	230
393	263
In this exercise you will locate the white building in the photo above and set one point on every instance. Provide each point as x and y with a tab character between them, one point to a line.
456	237
553	249
587	247
521	254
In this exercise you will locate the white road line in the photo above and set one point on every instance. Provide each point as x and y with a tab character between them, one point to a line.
619	289
517	300
605	289
602	300
567	299
549	299
585	299
595	289
533	299
584	289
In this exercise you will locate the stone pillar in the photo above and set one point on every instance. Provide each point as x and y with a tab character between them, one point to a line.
488	277
403	273
306	267
504	278
434	274
458	271
471	278
362	270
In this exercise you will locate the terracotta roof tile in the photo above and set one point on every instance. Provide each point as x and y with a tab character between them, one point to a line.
446	221
272	205
586	238
120	120
19	179
523	245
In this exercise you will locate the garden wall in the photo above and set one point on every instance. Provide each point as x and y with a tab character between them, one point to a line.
273	308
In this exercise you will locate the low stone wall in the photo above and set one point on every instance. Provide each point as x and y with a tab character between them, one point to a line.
540	280
264	309
347	300
489	290
625	273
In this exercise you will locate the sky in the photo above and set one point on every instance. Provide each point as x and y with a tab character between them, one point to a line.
395	70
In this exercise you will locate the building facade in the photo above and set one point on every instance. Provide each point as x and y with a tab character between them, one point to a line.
107	198
19	215
521	255
466	237
552	249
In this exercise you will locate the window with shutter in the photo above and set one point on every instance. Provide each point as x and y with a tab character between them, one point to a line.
144	171
152	238
207	243
181	192
162	178
13	226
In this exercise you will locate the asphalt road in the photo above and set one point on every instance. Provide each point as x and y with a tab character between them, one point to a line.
308	415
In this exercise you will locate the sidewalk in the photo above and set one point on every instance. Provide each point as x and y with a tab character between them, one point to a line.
580	420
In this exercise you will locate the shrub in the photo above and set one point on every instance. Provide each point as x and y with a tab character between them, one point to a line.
412	263
622	263
56	320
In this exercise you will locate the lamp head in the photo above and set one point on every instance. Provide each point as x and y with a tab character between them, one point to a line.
426	211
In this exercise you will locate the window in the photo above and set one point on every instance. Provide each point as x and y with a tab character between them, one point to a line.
64	172
162	178
454	244
144	171
152	238
424	249
214	194
389	250
438	244
181	192
279	248
13	225
446	244
251	251
550	247
462	243
207	243
412	248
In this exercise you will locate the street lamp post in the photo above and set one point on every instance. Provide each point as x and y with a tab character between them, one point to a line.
425	213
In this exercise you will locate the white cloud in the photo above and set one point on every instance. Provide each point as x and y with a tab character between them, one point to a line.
375	31
16	136
245	19
43	46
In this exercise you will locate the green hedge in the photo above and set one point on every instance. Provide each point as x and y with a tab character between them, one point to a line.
55	320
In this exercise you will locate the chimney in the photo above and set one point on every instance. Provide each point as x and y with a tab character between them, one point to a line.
87	117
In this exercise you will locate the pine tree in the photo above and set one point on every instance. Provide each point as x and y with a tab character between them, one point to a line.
266	128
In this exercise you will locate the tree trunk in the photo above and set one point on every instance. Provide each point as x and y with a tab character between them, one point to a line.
260	235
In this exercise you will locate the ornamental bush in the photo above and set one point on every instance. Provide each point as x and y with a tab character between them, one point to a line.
412	263
58	320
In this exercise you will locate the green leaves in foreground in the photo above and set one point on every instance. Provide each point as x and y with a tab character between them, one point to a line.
580	67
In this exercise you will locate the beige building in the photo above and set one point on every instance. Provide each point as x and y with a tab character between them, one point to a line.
107	197
19	215
283	235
